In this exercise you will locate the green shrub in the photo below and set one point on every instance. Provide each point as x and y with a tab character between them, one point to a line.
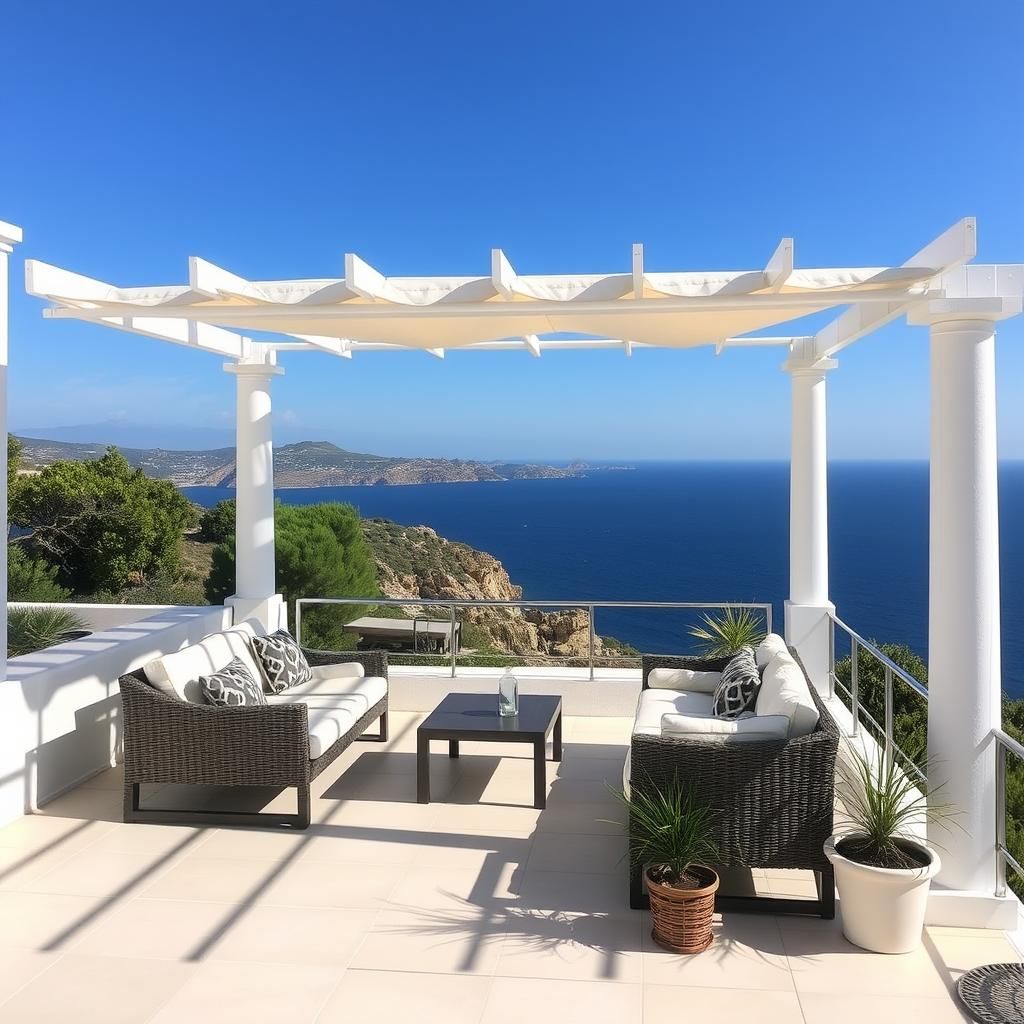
33	629
217	524
32	579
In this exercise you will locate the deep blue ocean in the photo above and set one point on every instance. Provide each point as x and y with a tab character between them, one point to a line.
704	532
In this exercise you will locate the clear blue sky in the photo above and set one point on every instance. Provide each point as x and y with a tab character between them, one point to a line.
272	138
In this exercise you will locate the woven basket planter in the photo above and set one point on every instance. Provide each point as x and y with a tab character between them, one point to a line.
681	918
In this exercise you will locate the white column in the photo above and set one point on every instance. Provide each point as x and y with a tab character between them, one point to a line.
808	607
255	577
9	237
964	680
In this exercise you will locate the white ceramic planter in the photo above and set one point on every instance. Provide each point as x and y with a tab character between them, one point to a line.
882	909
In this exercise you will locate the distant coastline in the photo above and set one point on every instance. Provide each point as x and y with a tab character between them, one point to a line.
307	464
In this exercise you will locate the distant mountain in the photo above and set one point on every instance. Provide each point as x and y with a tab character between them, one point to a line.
305	464
126	434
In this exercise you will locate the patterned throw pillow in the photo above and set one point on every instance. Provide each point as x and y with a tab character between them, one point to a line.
737	691
282	660
232	686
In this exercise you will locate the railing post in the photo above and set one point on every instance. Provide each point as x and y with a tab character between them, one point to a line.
855	684
1000	831
768	618
890	740
590	613
451	637
831	657
298	621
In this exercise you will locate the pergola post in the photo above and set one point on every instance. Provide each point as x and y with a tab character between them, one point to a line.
255	570
808	608
9	237
964	681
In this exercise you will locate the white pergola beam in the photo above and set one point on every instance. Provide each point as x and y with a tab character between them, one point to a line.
437	353
363	279
780	266
628	348
956	246
503	277
532	343
208	279
336	346
638	270
49	282
10	234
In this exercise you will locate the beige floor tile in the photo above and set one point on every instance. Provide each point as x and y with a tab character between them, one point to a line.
112	778
961	953
254	844
387	997
482	817
747	953
314	884
217	880
42	921
669	1004
572	892
354	844
242	993
554	1002
19	966
294	935
581	818
150	839
574	947
852	1008
37	833
454	889
596	729
96	990
823	961
591	854
798	888
373	814
104	874
20	867
607	771
86	804
435	941
471	849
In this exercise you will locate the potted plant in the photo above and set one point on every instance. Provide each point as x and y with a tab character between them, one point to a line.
725	634
883	872
670	837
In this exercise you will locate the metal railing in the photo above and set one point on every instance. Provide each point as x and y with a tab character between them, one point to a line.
590	606
1002	744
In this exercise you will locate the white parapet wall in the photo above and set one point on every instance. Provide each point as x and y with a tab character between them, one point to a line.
60	707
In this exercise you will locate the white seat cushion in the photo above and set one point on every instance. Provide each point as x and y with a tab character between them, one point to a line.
784	691
655	703
771	645
683	679
177	674
749	729
334	705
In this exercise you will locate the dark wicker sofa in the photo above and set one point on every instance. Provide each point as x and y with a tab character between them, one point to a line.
173	741
773	799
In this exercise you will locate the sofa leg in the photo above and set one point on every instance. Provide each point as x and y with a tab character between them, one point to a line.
638	899
303	817
826	879
381	736
132	800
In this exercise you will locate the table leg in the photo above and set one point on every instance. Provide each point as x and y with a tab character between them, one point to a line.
556	739
453	748
422	769
540	773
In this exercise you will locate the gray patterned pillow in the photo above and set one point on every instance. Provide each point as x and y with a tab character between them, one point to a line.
232	686
738	688
282	661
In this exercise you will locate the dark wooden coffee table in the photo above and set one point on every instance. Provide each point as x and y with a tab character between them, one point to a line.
474	716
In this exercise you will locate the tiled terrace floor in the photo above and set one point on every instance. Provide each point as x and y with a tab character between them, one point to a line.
475	908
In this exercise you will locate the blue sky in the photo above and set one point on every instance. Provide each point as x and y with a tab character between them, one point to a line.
273	138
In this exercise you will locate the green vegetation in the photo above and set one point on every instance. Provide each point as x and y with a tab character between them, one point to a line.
416	551
102	525
669	830
321	552
33	629
217	524
32	579
728	631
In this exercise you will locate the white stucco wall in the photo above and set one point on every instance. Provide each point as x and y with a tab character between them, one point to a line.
60	708
101	616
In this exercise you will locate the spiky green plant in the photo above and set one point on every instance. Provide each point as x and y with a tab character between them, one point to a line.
725	633
33	629
669	830
883	805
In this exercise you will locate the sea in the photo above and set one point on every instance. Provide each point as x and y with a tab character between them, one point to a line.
703	531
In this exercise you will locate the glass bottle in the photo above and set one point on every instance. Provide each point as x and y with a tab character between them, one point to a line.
508	695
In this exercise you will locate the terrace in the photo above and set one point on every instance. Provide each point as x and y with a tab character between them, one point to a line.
477	906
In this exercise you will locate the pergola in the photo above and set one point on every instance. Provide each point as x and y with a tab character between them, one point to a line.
364	311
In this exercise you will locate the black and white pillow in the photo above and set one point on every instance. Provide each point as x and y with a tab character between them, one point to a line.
284	665
232	686
738	688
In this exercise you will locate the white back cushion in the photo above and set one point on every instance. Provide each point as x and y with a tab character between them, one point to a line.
784	691
771	645
177	674
750	729
683	679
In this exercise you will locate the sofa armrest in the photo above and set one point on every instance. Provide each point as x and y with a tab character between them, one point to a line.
375	662
174	741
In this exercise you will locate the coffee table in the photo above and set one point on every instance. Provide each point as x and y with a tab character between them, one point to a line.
474	716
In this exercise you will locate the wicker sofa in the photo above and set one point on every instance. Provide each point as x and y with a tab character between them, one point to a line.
773	798
174	738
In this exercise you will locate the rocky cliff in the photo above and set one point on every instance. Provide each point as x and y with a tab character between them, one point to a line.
415	562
